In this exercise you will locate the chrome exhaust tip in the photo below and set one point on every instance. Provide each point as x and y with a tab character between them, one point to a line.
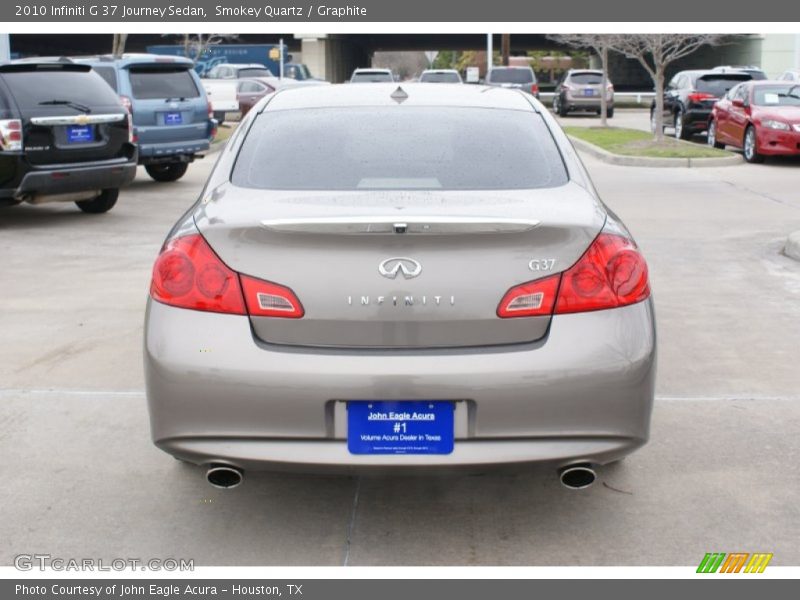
224	477
577	477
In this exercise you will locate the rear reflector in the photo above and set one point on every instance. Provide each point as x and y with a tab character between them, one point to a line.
267	299
532	299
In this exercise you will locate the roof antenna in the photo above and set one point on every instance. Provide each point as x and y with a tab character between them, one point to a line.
399	95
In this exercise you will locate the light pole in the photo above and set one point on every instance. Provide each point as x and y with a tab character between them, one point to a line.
489	53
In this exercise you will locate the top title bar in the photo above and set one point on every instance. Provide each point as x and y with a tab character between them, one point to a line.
444	11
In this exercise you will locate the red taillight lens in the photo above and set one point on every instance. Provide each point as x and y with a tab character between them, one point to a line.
126	102
10	134
211	110
267	299
531	299
700	96
535	88
610	273
188	274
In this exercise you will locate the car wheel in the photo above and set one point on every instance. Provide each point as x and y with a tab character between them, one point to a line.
102	203
560	109
680	131
166	172
751	154
712	135
610	113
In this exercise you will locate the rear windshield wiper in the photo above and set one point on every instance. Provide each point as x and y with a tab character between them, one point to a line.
77	106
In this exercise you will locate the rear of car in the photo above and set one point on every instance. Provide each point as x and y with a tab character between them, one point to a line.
583	90
693	105
440	76
171	114
521	78
405	301
372	76
64	136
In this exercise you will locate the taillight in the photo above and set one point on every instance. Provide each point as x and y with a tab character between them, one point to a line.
188	274
10	134
535	88
210	110
126	102
698	97
532	299
267	299
610	87
611	273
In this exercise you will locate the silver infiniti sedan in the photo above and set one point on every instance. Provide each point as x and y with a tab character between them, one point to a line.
399	277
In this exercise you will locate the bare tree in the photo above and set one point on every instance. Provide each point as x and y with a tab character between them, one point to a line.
118	44
655	52
196	45
600	44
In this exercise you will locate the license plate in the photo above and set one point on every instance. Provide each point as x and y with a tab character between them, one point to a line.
588	92
173	118
405	427
80	134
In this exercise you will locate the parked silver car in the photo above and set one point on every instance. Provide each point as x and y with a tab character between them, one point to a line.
582	89
406	300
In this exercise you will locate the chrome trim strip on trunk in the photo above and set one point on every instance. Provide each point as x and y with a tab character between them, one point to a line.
79	119
431	225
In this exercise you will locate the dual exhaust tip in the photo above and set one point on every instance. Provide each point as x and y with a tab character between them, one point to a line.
575	477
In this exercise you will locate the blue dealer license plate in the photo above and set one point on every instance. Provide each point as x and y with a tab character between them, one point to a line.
588	92
173	118
406	427
80	134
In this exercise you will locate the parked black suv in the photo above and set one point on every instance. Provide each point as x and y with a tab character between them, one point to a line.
690	96
64	137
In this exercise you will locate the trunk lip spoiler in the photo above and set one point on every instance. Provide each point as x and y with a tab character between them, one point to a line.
409	224
79	119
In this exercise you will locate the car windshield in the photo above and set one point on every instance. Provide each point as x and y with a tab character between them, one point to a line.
399	148
440	77
586	78
33	88
779	95
371	77
254	72
718	85
511	75
154	83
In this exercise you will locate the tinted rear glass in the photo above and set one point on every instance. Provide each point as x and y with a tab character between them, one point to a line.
149	84
371	77
255	72
408	148
440	78
511	76
719	84
586	78
109	75
30	88
779	95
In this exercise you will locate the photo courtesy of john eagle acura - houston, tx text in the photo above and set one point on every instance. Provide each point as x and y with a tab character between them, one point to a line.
407	301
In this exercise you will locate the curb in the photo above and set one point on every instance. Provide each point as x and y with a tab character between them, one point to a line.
792	247
648	161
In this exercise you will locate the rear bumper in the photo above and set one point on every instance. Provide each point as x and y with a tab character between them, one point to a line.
586	102
73	178
216	395
152	152
696	119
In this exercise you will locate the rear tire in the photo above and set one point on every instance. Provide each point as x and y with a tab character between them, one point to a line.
558	107
166	172
610	113
681	133
712	136
750	146
102	203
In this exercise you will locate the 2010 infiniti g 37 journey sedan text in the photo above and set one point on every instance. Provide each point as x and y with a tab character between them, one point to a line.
382	277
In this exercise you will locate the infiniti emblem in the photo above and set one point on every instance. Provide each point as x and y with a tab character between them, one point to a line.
390	267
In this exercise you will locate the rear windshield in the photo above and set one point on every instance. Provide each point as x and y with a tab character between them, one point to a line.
149	84
718	85
511	76
109	74
780	95
586	78
254	72
31	88
399	148
440	78
371	77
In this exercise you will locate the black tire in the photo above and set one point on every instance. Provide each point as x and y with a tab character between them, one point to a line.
220	116
166	172
561	110
102	203
681	132
750	146
712	135
610	112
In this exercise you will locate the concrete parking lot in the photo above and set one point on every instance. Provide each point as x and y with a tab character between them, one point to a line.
81	478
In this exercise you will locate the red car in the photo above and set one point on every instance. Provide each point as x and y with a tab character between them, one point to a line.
251	90
761	117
